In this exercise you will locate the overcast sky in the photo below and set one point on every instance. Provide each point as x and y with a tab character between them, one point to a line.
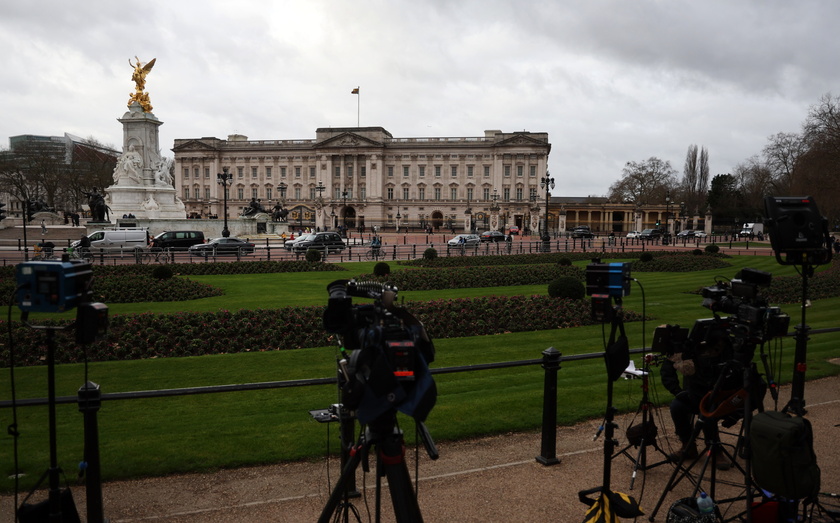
609	81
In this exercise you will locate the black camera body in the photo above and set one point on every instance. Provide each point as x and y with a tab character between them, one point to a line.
740	298
387	367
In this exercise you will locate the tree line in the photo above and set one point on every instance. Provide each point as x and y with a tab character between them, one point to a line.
56	173
806	163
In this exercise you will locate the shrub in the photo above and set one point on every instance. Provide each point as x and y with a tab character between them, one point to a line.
564	262
381	269
567	287
430	254
712	248
313	255
162	272
697	252
646	257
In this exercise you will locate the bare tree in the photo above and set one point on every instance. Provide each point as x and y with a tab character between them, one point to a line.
644	182
689	180
702	180
754	179
92	165
781	153
695	181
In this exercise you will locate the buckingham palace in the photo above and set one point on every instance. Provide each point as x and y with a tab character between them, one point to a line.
363	176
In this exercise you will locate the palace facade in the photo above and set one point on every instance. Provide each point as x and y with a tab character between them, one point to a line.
363	176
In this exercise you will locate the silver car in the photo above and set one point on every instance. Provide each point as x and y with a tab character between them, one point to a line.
464	239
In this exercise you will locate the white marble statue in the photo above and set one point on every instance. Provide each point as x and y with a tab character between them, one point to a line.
150	204
163	175
129	167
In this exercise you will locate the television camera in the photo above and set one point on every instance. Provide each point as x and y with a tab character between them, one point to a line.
751	317
387	367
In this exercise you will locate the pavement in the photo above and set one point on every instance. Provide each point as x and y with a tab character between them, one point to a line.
490	479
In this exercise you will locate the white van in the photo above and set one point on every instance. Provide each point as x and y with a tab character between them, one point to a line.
117	240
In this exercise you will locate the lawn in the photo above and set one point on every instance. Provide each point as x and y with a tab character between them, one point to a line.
149	437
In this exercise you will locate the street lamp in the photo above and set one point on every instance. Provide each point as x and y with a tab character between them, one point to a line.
224	179
344	208
546	183
667	218
282	186
399	216
319	202
468	212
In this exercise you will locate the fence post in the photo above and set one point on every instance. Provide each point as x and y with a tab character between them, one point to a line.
89	399
548	447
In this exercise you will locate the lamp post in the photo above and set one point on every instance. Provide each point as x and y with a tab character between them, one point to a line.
399	216
319	204
468	212
282	186
546	183
667	235
344	208
225	179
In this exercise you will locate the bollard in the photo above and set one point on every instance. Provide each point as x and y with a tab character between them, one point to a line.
89	399
548	447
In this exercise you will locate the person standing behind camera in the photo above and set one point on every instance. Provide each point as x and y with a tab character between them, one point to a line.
700	371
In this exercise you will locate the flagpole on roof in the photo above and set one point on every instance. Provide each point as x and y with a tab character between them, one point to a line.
358	103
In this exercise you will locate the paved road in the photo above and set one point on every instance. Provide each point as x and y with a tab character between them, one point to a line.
492	479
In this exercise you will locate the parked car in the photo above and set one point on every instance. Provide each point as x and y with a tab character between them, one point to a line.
177	240
323	241
468	240
222	246
582	231
650	234
492	236
687	233
117	240
513	230
634	234
289	244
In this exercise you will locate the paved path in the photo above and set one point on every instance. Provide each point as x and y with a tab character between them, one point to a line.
493	479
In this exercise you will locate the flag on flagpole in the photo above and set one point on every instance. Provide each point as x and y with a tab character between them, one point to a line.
355	91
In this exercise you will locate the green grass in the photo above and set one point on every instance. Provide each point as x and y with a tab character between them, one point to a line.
152	437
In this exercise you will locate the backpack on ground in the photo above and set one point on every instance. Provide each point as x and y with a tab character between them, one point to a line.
782	453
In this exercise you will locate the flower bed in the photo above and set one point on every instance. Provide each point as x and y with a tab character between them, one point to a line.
196	334
468	277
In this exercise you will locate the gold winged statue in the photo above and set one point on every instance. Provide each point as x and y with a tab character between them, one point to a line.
141	70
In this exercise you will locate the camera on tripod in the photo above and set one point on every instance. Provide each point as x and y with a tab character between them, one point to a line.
390	351
741	299
60	286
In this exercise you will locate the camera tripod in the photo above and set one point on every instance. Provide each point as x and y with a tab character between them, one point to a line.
389	444
648	431
715	451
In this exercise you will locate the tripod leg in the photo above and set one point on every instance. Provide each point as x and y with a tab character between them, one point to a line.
392	458
347	475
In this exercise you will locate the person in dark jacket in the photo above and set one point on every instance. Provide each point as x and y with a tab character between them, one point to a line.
700	371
